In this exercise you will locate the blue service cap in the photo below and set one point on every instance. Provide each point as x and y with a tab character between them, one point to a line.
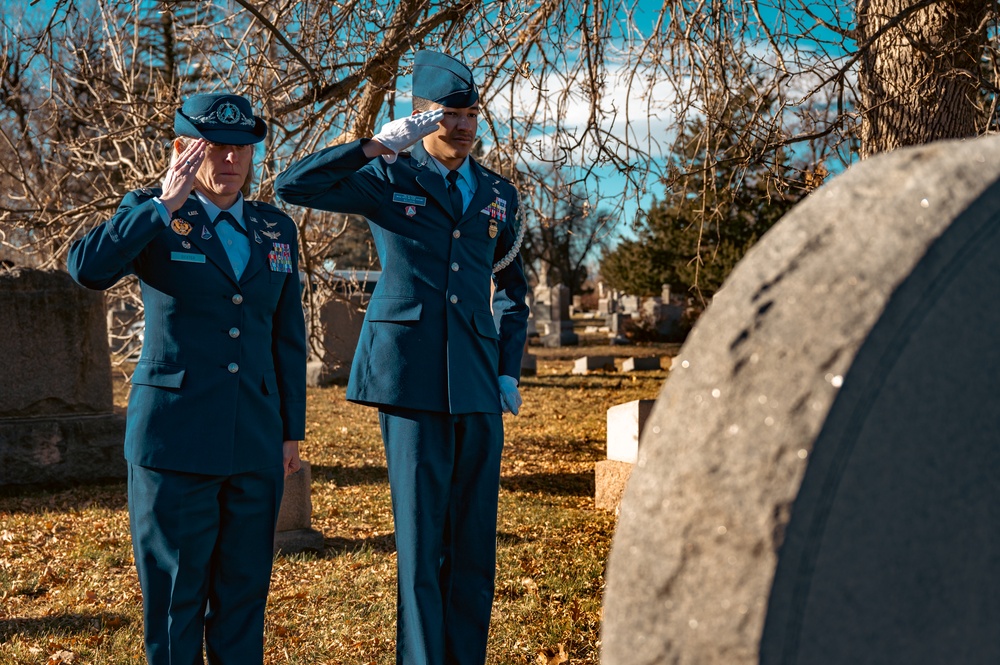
444	80
219	118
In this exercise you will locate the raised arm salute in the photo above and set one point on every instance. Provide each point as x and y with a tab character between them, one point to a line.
217	404
439	355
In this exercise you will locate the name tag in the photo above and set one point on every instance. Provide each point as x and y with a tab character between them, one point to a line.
409	199
186	257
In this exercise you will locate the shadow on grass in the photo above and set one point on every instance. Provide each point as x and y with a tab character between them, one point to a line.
62	497
336	546
560	484
345	476
61	624
386	544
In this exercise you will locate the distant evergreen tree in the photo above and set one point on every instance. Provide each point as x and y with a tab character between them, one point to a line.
716	207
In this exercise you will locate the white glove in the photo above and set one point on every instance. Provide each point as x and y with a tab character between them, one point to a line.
510	398
401	133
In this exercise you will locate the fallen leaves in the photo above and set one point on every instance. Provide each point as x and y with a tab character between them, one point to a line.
70	593
553	656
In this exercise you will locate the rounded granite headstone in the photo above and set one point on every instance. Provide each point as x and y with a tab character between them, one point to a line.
818	482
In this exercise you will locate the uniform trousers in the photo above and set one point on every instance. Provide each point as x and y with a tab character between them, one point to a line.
444	476
204	547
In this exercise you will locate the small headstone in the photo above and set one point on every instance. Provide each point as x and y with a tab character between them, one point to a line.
629	304
559	327
593	364
618	323
341	318
625	425
529	363
294	532
640	364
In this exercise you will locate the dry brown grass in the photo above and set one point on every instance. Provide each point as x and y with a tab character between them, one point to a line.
68	592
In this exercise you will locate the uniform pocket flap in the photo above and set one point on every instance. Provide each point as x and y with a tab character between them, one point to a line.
485	324
394	309
162	375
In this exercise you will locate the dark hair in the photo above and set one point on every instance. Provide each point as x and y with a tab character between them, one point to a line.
421	104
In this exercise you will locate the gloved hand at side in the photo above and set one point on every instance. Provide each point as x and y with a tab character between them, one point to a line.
401	133
510	397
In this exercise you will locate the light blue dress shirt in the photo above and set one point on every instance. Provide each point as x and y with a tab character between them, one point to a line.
466	181
236	244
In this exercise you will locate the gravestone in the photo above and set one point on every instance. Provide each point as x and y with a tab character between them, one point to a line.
341	319
817	482
641	364
625	424
588	364
529	363
294	532
553	318
662	314
57	419
628	304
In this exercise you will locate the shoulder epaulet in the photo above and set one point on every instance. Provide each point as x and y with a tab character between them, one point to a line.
490	173
268	208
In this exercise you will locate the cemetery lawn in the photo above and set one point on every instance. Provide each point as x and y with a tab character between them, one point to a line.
68	590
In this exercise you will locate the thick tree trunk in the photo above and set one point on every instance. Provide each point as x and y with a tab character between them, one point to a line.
919	71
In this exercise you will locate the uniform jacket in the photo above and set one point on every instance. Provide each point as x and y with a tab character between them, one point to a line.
220	382
430	340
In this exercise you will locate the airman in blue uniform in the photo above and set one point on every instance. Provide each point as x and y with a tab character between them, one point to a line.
217	403
440	348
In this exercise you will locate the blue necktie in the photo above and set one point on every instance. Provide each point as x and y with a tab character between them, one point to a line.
457	205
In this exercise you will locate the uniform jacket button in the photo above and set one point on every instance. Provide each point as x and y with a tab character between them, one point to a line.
234	332
233	368
237	299
453	299
456	234
454	267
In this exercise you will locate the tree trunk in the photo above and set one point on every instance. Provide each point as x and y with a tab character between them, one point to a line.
919	71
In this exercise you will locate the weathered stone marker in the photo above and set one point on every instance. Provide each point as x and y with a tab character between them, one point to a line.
812	488
588	364
341	319
625	424
57	420
294	532
641	364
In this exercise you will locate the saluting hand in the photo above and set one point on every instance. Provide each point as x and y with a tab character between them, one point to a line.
401	133
180	177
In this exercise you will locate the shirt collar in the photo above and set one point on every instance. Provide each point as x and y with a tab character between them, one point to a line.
212	210
464	171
